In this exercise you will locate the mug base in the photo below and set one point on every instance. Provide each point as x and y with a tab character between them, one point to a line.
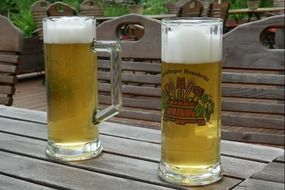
74	152
211	175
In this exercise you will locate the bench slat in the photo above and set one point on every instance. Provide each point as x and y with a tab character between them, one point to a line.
253	105
136	78
253	120
253	135
7	79
9	58
134	65
253	91
7	89
134	90
134	102
252	78
6	100
7	68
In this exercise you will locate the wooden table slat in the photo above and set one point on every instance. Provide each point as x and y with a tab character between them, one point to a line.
281	158
269	172
65	176
10	183
254	184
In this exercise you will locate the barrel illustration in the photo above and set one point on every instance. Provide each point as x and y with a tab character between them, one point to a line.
186	103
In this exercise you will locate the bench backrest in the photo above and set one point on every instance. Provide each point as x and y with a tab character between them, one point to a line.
39	11
253	84
141	67
191	9
171	7
90	8
11	45
60	9
219	9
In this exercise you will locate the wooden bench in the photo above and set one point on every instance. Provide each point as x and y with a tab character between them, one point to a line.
141	70
191	9
253	80
253	85
219	9
11	46
90	8
39	11
60	9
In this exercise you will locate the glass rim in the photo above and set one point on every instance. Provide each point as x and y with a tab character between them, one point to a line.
192	20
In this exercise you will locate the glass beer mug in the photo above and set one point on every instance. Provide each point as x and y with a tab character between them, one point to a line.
72	91
191	100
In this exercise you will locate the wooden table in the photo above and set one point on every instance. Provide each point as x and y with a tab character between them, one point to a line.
129	161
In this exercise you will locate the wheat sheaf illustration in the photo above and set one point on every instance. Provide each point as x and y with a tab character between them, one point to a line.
184	102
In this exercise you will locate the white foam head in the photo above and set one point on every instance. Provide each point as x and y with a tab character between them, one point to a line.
69	30
191	42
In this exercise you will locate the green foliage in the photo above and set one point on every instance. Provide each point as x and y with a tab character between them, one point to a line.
240	4
19	11
138	2
115	10
24	20
154	7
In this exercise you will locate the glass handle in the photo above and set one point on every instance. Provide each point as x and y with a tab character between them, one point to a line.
114	49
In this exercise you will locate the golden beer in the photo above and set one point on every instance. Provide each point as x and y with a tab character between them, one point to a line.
191	102
71	93
191	118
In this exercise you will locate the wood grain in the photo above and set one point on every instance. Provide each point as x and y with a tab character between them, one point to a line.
254	184
281	158
11	38
39	11
11	46
131	148
16	184
70	178
247	51
106	163
269	173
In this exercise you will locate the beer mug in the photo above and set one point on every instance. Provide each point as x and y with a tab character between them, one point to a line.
70	48
191	100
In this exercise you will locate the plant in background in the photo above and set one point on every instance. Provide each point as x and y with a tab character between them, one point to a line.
114	10
138	2
19	11
155	7
241	4
7	6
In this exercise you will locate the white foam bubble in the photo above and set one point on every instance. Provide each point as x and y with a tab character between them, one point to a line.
191	44
66	30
